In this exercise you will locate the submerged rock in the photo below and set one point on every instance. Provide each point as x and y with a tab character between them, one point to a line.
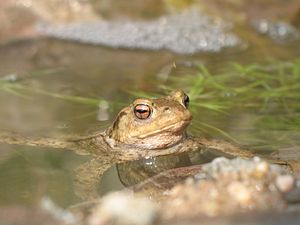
185	33
226	187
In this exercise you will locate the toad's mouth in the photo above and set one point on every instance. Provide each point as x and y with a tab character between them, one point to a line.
175	129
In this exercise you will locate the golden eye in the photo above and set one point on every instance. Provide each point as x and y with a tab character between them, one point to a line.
186	100
142	111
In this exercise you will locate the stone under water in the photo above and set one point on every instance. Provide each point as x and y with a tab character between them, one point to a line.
185	33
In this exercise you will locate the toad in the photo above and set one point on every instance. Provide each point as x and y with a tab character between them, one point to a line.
146	128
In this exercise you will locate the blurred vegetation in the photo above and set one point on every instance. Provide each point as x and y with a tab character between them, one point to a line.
271	91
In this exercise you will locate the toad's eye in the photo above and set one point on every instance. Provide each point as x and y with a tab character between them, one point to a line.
186	101
142	111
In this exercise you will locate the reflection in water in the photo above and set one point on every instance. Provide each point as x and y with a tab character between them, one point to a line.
131	173
135	172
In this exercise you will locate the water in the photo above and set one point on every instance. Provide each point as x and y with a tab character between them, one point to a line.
27	174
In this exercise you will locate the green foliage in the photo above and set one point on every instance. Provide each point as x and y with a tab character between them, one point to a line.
250	85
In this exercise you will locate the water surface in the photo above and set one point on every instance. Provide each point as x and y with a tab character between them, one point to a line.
66	68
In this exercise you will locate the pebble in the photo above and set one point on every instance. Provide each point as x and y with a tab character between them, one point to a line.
285	183
239	192
262	168
122	208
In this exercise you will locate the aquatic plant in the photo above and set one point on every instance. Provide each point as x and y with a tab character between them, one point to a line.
271	90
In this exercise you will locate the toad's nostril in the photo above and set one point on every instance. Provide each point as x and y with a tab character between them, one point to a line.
167	108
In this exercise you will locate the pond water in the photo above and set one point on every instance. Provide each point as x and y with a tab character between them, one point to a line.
52	69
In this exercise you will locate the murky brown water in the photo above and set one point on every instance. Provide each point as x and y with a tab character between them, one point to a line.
27	174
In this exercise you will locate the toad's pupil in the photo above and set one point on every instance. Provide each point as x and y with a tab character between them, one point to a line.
186	100
142	111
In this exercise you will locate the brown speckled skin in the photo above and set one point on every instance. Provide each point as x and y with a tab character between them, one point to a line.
164	127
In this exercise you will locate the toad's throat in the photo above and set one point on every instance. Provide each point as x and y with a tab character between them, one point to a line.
175	129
